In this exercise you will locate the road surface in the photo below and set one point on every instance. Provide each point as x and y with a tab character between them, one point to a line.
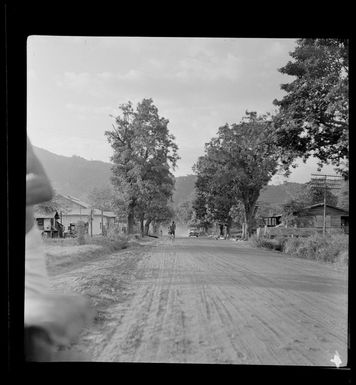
215	301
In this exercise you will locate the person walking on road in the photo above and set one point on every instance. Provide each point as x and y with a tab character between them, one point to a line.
172	230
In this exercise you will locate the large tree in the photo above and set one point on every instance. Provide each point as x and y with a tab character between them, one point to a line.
144	152
200	215
313	117
236	165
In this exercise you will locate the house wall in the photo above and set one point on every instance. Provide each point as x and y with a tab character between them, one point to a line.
73	212
96	223
47	224
107	221
332	217
68	219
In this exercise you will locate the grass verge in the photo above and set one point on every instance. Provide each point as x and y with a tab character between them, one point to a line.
332	248
65	254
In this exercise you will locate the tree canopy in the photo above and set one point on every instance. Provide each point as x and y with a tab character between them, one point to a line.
236	165
313	117
144	153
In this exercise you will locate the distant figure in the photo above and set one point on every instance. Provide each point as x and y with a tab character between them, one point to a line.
50	319
172	230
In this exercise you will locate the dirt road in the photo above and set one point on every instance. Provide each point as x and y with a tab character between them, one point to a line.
208	301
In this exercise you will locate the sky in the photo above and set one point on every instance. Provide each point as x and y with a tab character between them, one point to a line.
76	83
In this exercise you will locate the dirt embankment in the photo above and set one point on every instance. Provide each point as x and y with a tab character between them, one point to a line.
103	277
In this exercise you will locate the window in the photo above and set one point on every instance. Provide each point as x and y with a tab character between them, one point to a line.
40	223
271	221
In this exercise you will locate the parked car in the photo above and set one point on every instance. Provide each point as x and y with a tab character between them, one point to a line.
193	233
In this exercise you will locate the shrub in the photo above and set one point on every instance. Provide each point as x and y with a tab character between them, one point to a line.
272	244
113	233
120	242
331	248
291	244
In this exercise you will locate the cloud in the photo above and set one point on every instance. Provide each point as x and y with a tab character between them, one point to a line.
99	83
85	110
211	68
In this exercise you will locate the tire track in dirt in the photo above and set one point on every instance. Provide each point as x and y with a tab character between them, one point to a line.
315	317
214	302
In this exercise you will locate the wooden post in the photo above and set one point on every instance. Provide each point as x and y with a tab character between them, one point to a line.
91	223
102	227
324	216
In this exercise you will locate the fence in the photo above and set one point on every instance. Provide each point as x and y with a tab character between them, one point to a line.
272	232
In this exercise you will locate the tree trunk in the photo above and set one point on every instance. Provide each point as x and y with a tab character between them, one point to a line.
102	223
228	227
155	227
130	218
243	232
142	225
147	226
249	216
221	230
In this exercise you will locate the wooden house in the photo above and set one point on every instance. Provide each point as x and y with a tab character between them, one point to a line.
273	220
335	217
48	223
73	210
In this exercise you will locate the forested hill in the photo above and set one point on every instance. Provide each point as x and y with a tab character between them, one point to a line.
280	193
74	175
274	194
184	189
77	176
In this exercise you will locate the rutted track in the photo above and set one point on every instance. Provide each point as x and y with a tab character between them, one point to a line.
208	301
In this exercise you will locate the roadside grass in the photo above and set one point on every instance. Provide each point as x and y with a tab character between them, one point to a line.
268	243
65	254
332	248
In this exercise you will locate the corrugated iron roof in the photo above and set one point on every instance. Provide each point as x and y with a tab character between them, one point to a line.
77	212
96	212
86	208
38	213
77	201
322	204
109	214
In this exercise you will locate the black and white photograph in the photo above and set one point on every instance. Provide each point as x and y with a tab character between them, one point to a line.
187	200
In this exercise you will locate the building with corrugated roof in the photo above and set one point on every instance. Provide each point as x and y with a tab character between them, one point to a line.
48	221
73	210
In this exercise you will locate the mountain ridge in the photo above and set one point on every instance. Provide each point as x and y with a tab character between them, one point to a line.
77	176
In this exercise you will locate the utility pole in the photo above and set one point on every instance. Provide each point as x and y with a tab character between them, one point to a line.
327	182
91	223
102	224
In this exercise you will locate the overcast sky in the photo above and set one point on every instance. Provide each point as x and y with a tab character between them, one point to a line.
199	84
